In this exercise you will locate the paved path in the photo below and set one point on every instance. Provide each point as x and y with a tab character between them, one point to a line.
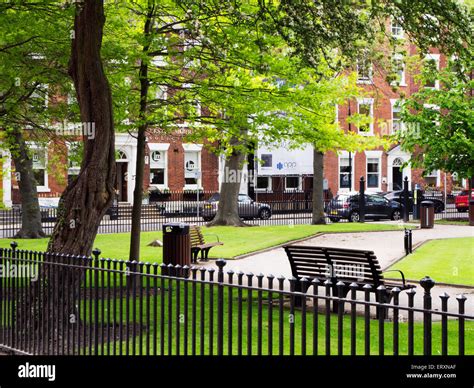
388	247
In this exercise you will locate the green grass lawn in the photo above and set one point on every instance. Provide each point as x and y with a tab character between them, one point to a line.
452	222
237	241
171	332
446	261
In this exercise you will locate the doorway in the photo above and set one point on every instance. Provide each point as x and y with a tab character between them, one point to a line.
397	178
397	174
121	181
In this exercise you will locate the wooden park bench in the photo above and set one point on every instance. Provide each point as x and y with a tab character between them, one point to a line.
339	264
198	244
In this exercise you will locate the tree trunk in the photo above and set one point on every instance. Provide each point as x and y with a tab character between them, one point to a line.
318	188
87	198
53	298
141	141
30	211
228	211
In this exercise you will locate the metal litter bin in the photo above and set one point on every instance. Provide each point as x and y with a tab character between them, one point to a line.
427	215
176	247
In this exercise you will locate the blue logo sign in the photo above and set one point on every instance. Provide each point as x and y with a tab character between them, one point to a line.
280	165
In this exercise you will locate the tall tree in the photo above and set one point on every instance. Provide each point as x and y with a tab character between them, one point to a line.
439	122
28	64
141	136
86	199
315	29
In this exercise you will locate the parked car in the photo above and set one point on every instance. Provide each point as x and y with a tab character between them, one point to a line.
248	208
462	200
398	197
346	206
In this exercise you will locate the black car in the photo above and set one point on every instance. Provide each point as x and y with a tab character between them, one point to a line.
346	206
398	197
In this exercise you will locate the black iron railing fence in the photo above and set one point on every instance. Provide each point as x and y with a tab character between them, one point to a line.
76	305
267	208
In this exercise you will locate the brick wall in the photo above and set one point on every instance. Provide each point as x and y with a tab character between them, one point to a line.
175	154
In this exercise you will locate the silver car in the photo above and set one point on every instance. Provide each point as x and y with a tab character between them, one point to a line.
248	208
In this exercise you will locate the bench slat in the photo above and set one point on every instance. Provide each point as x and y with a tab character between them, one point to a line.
344	260
334	255
313	262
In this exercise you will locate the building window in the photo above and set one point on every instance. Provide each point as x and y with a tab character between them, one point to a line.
373	172
39	158
396	29
264	183
431	178
397	124
194	108
71	94
161	93
192	169
74	157
365	108
364	70
398	64
292	183
431	69
157	176
344	173
39	98
158	168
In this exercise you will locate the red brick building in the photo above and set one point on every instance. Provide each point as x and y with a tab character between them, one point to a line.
381	169
171	164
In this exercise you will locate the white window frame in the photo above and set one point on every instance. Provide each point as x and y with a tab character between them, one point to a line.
35	94
164	185
435	174
366	101
373	155
160	60
402	79
300	183
34	146
160	147
269	185
71	170
400	33
161	92
71	96
197	102
345	155
432	107
395	104
436	58
364	80
197	148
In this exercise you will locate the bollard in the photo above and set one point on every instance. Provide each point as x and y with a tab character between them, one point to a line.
405	240
362	199
410	240
406	199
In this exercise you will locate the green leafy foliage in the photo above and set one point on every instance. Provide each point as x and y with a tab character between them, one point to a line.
440	121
